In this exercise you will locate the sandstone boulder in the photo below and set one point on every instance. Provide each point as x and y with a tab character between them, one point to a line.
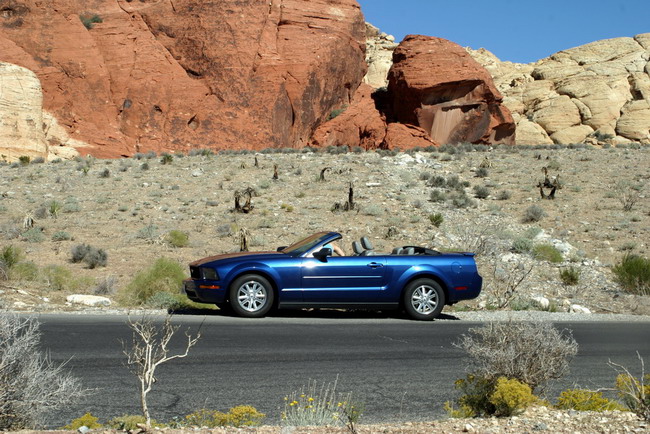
158	75
360	124
379	56
436	85
603	86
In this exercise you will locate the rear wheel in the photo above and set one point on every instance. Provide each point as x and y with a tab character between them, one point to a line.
424	299
251	296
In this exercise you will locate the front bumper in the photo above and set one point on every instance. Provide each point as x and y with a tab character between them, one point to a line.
204	291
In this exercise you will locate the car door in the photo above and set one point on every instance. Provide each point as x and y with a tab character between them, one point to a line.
345	279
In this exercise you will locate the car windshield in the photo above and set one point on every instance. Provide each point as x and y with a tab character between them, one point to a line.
307	244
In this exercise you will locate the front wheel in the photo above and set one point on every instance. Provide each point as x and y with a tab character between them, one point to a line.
251	296
424	299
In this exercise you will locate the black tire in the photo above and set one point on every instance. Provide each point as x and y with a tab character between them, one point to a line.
423	299
251	296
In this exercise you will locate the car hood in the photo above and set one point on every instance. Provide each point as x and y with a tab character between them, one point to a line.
248	255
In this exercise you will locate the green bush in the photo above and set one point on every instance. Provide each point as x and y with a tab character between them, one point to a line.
178	238
547	252
33	235
27	271
586	400
87	420
239	416
511	397
60	278
166	158
481	192
500	397
437	196
436	219
11	255
633	274
61	236
89	20
130	423
165	275
165	300
24	160
570	276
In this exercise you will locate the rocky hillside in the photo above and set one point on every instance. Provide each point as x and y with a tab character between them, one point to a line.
596	93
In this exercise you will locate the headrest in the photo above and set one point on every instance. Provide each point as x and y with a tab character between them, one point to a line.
365	242
356	246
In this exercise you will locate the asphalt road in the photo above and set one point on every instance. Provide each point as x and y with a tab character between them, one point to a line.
400	369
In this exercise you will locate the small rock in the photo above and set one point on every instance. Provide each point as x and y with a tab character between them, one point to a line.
468	428
543	302
20	304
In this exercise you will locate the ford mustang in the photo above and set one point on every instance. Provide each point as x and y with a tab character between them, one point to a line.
307	274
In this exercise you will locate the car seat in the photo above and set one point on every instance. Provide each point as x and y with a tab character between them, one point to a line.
408	251
397	251
367	246
356	248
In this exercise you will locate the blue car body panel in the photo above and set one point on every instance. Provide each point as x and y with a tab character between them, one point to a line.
301	279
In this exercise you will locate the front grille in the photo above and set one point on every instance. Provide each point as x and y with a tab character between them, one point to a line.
195	273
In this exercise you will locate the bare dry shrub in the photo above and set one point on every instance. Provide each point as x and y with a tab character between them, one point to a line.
635	392
502	281
531	352
150	349
31	384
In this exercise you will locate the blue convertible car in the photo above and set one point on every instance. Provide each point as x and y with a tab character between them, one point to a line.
306	274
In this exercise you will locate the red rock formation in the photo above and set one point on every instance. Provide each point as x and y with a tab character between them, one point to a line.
437	85
172	75
360	124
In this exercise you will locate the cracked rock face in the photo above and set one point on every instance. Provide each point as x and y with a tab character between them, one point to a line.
130	77
438	87
596	92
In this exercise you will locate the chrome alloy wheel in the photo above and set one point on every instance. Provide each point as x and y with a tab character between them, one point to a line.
251	296
424	299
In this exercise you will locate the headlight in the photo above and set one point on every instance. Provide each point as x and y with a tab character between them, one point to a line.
209	274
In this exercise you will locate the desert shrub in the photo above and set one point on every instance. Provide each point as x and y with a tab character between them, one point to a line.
315	405
165	275
144	166
26	271
106	173
522	245
628	194
459	199
635	392
482	172
336	112
30	383
165	300
547	252
510	397
91	256
89	20
59	278
531	352
105	286
24	160
129	423
533	213
504	195
501	397
373	210
436	219
570	276
586	400
437	181
481	191
437	196
11	255
166	158
33	235
633	274
239	416
61	236
54	207
149	233
178	238
87	420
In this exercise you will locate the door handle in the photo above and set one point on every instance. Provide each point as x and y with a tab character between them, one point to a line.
375	265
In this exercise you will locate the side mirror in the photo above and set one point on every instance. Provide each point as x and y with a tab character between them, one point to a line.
281	248
323	253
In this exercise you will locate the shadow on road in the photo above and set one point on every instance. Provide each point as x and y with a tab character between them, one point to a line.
315	313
